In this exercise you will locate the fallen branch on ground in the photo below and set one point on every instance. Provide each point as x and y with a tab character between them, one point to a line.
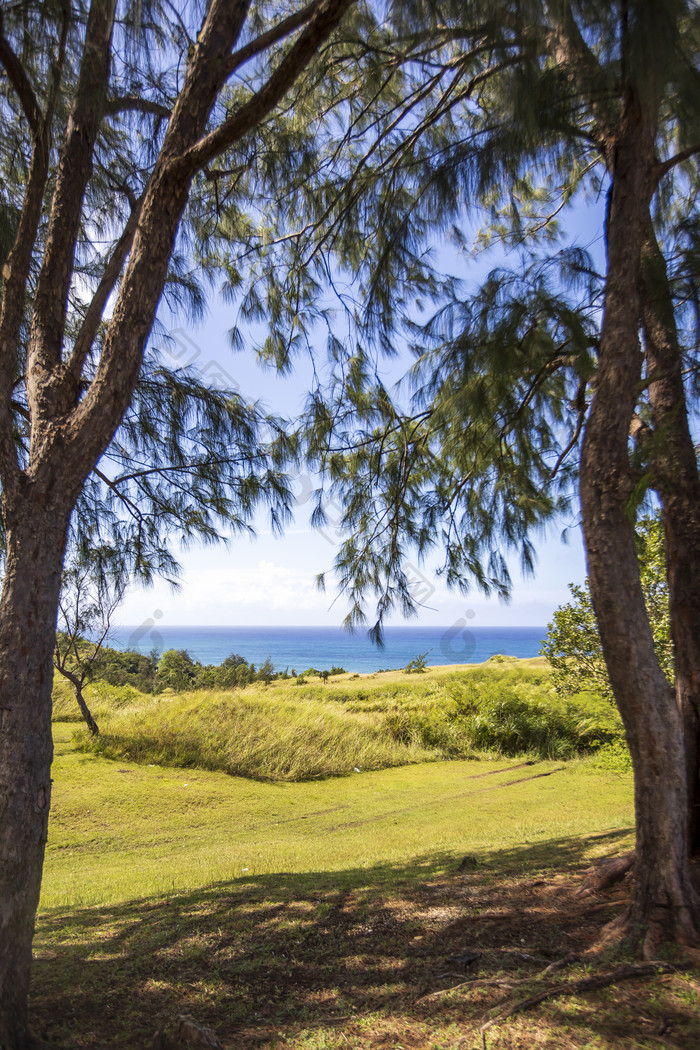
585	984
500	982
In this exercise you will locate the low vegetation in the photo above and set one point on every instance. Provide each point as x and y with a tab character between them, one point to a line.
122	829
342	912
403	907
262	735
305	730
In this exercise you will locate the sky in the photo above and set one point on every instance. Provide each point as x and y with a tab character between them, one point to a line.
270	581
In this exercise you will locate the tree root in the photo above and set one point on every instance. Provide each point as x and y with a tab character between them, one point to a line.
648	935
606	873
585	984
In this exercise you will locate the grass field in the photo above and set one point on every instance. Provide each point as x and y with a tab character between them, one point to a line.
334	913
120	829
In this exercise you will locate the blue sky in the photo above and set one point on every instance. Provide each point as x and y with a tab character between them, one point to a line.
271	581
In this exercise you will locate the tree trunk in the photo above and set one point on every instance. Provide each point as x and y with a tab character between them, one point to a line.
85	710
677	482
82	704
665	905
35	543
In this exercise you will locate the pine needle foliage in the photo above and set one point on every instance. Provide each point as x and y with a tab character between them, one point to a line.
476	130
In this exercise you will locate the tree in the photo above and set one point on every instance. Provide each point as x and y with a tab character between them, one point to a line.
266	672
176	670
573	644
111	119
127	668
234	672
86	605
512	110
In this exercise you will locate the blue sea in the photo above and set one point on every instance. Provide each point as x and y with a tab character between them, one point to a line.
327	647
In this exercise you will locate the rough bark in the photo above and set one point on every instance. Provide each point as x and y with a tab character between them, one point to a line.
27	622
664	905
677	482
70	432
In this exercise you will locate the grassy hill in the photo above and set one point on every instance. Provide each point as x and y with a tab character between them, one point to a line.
311	911
298	730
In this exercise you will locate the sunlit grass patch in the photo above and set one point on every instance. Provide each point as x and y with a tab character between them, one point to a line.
253	734
121	829
285	731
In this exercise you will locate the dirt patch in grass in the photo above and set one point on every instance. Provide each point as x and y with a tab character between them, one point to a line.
386	957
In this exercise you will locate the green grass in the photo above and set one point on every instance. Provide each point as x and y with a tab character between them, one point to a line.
288	731
316	913
121	829
266	734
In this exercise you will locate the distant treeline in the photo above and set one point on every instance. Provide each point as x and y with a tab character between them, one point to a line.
175	669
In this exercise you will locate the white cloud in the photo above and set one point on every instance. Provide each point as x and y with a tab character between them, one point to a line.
267	583
263	592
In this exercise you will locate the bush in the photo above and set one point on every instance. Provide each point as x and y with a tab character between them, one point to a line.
613	758
418	664
125	668
506	711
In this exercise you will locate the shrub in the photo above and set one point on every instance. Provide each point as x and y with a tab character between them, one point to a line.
573	644
418	664
125	668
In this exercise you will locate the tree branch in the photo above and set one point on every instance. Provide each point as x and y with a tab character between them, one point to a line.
44	379
327	16
272	36
672	162
15	274
135	103
57	67
580	402
129	504
186	148
91	321
581	66
20	82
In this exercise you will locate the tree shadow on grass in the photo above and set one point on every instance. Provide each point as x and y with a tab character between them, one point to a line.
300	956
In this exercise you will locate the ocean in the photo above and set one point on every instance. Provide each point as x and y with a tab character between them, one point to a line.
325	647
